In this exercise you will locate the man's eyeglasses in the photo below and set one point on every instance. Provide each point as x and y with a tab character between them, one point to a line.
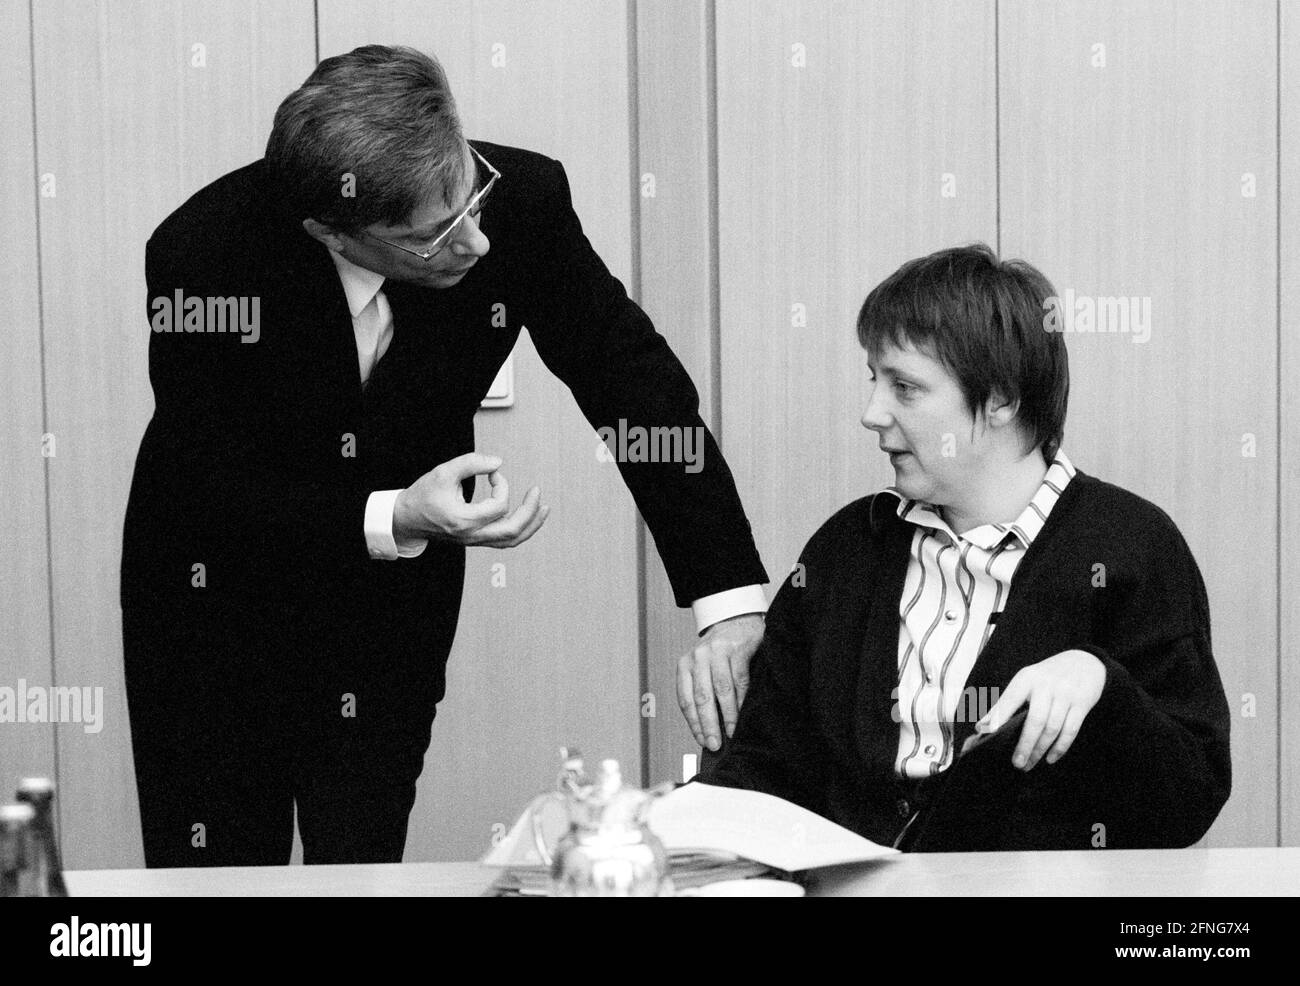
487	177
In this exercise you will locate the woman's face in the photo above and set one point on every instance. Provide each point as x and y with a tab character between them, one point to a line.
918	410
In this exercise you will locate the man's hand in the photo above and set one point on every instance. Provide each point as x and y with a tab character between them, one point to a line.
434	507
716	673
1061	691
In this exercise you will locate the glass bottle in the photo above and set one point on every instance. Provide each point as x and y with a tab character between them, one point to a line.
18	877
39	793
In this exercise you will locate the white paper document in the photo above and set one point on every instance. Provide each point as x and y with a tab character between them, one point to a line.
756	826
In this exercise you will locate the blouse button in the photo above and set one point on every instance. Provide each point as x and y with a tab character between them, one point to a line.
930	750
950	616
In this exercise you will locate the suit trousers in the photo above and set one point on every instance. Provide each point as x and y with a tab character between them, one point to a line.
238	718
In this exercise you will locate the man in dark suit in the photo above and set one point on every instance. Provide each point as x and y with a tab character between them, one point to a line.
325	322
998	651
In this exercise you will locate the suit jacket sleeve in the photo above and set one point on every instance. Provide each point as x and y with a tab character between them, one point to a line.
604	348
212	431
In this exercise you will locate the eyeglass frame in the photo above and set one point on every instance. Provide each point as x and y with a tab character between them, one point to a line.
474	206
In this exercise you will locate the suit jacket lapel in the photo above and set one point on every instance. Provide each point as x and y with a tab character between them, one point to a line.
323	322
415	340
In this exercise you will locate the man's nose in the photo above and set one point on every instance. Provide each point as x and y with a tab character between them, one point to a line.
470	241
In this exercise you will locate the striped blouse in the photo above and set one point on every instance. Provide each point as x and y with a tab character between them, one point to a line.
954	584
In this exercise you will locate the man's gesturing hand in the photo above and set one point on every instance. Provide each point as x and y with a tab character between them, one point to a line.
1060	691
434	507
716	673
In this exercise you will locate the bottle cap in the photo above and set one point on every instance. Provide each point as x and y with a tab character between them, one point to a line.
16	816
37	792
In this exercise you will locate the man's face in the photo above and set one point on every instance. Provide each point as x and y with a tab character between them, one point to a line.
917	409
460	251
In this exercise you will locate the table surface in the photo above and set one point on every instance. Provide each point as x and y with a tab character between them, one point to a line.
1158	872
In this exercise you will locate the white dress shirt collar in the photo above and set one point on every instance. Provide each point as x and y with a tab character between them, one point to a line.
988	536
359	284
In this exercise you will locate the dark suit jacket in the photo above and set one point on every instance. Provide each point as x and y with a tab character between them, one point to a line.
1149	768
243	466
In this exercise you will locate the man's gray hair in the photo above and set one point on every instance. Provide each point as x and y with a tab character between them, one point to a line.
368	138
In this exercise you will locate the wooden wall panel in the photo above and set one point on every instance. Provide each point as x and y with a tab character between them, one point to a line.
130	126
1127	180
837	124
551	657
1289	437
26	748
679	279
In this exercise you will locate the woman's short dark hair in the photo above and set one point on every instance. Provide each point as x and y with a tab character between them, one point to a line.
983	319
384	116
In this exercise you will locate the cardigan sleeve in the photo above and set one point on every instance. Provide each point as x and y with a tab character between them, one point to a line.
1150	766
775	748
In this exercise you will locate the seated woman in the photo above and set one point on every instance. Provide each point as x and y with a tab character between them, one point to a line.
993	578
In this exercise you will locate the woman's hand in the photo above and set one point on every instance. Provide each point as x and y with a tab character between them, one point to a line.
1061	691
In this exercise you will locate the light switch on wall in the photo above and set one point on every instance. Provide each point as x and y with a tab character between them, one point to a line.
502	391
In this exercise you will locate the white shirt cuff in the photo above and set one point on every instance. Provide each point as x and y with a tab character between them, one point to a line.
379	529
724	605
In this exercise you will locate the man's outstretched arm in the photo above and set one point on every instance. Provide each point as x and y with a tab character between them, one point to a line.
640	399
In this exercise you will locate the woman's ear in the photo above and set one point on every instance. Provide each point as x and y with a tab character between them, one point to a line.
999	411
325	234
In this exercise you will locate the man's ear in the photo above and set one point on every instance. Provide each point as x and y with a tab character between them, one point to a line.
325	234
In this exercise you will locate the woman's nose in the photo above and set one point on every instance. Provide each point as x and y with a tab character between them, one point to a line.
875	417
